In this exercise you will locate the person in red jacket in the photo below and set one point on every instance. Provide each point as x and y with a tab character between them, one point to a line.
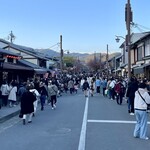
119	89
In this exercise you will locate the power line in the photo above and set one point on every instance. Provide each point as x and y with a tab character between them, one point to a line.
141	28
57	44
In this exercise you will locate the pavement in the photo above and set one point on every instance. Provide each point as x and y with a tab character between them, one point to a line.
7	113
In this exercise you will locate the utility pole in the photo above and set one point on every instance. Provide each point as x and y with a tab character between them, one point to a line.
128	19
100	61
95	57
107	62
61	55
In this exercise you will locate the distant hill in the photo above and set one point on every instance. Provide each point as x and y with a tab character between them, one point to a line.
52	53
81	56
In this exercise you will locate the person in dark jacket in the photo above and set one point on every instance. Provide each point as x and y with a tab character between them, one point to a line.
86	87
21	90
132	88
43	94
27	107
119	89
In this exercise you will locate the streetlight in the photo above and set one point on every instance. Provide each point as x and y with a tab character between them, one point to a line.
118	38
124	45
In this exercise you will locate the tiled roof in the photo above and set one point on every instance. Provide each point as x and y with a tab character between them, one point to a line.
8	52
27	63
135	37
25	49
12	66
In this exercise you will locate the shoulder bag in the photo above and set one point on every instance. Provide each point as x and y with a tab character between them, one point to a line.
148	105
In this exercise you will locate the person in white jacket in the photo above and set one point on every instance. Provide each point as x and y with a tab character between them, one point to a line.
35	103
81	83
141	115
12	98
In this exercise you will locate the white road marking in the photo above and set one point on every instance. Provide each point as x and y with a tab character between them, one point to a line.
113	121
83	129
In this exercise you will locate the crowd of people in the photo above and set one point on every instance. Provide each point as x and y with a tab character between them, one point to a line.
29	93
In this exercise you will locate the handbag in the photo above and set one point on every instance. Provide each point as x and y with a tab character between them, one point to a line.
148	105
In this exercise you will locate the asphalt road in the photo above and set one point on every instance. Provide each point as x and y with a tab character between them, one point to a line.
78	123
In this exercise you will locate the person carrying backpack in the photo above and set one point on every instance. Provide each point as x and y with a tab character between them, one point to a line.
85	87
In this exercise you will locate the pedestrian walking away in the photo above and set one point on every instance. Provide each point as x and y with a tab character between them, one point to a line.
86	87
52	93
27	107
35	103
43	93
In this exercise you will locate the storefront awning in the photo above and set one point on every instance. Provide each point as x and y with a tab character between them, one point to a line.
140	69
9	66
40	71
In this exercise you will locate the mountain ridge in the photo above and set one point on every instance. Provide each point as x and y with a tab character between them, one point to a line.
81	56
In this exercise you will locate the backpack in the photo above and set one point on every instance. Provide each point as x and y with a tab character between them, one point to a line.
85	85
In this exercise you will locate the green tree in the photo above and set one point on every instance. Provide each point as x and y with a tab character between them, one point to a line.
69	61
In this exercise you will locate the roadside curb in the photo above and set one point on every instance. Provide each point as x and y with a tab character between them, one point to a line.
7	117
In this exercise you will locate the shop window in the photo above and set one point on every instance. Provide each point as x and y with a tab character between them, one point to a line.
147	48
139	53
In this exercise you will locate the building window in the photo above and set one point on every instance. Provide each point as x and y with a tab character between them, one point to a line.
139	53
147	48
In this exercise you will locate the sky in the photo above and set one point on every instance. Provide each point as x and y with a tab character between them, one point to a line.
85	25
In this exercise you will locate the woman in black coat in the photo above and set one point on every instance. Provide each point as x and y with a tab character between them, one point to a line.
132	88
27	107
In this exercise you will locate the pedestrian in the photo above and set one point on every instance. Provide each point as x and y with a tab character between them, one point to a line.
27	107
21	90
98	85
76	88
71	86
141	98
4	93
12	97
104	86
111	89
86	87
66	86
92	87
37	95
81	83
108	89
52	93
119	90
130	94
43	94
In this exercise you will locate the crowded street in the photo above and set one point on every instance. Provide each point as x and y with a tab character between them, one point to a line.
78	123
75	75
